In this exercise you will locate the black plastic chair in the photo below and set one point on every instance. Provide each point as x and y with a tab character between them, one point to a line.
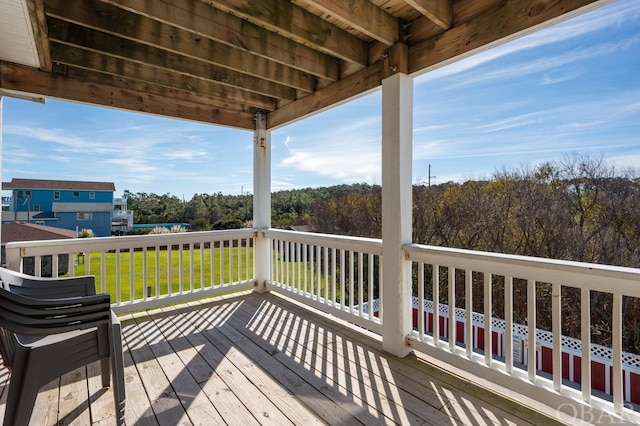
49	327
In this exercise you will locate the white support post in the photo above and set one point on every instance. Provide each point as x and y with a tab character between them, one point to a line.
397	133
261	201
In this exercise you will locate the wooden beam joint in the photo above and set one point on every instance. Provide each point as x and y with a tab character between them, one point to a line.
395	60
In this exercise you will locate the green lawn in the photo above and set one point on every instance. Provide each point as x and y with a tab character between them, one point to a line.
139	282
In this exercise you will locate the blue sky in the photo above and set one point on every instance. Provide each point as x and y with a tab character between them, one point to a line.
574	87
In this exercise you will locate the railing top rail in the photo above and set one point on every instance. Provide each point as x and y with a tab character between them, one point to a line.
368	245
611	279
124	242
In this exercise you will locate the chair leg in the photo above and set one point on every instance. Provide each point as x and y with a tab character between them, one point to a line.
117	370
105	370
23	391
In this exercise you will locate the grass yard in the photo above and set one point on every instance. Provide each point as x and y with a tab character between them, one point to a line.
229	265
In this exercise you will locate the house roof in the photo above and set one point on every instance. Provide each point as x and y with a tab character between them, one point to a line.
16	231
302	228
17	183
222	62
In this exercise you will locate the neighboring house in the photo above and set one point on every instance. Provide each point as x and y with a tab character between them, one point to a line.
122	220
302	228
72	205
16	231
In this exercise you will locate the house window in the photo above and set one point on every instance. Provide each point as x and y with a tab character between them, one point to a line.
92	195
28	193
39	222
84	216
20	194
36	207
76	193
56	195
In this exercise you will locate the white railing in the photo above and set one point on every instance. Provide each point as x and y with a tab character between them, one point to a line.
342	276
445	267
333	273
142	272
601	356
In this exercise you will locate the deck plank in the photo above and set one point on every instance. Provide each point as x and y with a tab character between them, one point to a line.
321	406
101	406
280	409
74	405
220	392
199	409
264	359
355	369
164	401
138	407
348	397
45	410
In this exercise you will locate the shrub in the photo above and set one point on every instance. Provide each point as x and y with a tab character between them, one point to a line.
86	233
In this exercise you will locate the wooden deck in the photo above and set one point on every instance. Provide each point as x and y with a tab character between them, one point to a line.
262	359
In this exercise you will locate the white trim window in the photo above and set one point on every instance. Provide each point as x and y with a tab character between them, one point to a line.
84	215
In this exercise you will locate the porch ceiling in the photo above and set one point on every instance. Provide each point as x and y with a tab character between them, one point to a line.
221	62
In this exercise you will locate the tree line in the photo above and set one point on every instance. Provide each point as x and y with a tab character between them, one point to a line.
579	208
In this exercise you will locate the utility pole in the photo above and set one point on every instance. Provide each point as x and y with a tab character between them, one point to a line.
430	175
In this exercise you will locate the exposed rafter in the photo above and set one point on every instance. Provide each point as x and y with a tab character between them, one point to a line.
223	61
363	16
29	80
438	11
282	17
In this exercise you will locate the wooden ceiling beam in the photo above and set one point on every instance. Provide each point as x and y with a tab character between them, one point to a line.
39	26
207	21
140	29
31	80
156	90
363	16
510	20
133	71
465	10
74	35
296	23
356	84
439	12
423	28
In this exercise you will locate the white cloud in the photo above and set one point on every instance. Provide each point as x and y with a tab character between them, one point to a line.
608	17
523	68
346	148
559	77
184	154
347	165
132	166
430	149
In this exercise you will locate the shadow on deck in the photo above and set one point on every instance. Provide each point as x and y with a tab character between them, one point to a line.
262	359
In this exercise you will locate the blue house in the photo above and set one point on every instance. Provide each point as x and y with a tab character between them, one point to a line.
73	205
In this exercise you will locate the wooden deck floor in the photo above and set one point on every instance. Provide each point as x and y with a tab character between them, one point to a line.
261	359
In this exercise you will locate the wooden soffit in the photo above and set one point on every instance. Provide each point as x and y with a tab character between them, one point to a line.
222	62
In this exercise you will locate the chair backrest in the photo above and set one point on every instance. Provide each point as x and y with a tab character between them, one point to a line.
24	315
40	317
39	287
7	338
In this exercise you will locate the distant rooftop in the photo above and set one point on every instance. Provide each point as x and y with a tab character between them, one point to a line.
17	183
16	231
